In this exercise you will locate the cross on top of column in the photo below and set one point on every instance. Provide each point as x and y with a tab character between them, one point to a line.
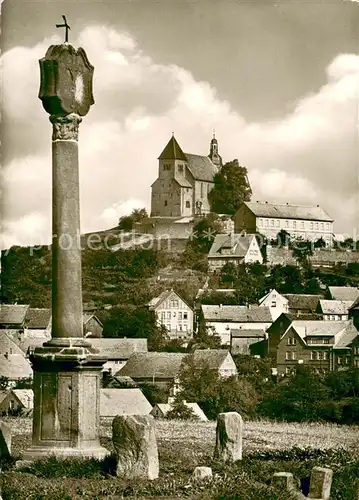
66	26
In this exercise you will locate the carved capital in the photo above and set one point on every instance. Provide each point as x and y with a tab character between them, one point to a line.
65	128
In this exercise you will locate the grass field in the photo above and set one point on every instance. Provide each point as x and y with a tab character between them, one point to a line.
267	448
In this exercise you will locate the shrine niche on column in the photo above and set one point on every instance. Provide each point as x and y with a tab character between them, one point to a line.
67	370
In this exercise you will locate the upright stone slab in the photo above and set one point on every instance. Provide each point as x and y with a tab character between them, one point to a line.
5	440
135	444
320	483
67	370
229	435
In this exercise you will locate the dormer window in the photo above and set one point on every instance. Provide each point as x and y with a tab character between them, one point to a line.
180	169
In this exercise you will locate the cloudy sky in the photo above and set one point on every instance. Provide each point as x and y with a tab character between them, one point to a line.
279	82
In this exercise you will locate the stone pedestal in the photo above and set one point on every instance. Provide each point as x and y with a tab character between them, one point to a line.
66	415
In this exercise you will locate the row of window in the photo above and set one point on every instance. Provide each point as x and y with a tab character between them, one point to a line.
167	167
179	328
289	370
318	340
335	317
168	315
293	224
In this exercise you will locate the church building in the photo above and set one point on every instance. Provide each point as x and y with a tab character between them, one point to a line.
184	181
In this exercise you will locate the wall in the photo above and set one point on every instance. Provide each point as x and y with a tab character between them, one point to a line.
306	229
228	367
276	255
166	190
172	317
201	190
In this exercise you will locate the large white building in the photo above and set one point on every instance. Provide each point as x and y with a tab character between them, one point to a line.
301	222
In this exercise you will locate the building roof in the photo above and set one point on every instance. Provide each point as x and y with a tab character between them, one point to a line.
248	333
237	314
183	182
123	402
344	292
25	396
286	211
3	394
201	167
274	291
334	306
346	337
237	242
172	151
166	407
118	348
157	301
303	301
37	318
13	314
157	365
13	363
88	316
213	358
318	328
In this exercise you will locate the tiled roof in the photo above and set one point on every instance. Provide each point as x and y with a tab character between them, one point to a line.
12	359
301	301
37	318
209	291
156	301
213	358
3	394
334	306
284	211
183	182
158	365
123	402
87	317
237	314
26	396
172	151
248	333
116	348
237	242
13	314
166	407
318	328
344	292
346	337
201	167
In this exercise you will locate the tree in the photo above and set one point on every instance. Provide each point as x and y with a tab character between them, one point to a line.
283	238
231	189
285	279
127	222
320	243
302	251
181	411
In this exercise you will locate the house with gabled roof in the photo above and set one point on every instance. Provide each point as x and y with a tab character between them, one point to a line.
249	342
12	316
118	351
37	318
322	345
93	327
160	410
301	303
277	303
13	364
17	401
221	319
174	314
301	222
334	310
343	293
235	249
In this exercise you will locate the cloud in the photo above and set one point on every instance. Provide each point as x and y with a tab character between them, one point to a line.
308	156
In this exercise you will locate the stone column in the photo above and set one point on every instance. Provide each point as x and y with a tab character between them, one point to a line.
67	370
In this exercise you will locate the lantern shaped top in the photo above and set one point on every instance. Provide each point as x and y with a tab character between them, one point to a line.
66	80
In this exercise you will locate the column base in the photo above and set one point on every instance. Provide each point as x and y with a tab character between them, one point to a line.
41	453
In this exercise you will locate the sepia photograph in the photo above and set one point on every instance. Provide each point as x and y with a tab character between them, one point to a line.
179	299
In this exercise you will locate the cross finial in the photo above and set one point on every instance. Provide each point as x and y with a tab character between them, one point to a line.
67	28
214	133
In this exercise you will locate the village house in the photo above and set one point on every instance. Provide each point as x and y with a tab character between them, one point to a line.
13	364
302	304
344	293
334	310
163	368
173	313
118	351
221	319
235	249
277	303
249	342
180	192
301	222
93	327
12	316
322	345
115	402
16	402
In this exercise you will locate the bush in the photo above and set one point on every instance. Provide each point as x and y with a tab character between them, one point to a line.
180	411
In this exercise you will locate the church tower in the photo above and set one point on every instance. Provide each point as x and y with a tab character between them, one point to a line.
213	152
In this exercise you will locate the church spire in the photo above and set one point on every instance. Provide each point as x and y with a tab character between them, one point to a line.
213	151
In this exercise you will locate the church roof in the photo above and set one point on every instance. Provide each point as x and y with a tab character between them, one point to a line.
172	151
201	167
